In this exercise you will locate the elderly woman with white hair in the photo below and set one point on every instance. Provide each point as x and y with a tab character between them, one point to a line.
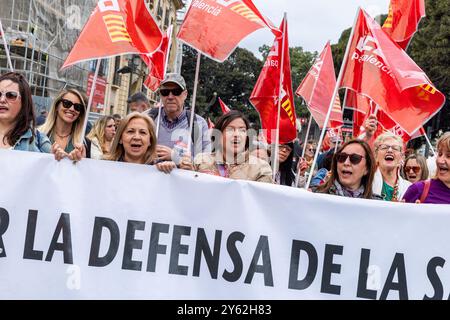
389	158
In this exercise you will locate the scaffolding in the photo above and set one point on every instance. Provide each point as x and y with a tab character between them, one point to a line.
40	34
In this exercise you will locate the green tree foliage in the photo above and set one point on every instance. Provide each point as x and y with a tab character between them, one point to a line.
232	81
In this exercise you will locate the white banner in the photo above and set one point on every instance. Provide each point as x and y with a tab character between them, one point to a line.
106	230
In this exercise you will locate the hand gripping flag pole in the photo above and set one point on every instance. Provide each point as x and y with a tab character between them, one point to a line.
330	108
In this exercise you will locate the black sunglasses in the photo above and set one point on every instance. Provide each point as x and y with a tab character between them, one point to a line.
10	96
67	104
354	158
176	92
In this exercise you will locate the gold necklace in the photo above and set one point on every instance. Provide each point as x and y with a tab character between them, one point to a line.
63	137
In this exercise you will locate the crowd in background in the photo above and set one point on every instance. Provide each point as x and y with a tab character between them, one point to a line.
376	169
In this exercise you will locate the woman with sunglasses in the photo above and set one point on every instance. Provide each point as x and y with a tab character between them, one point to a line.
135	142
64	125
389	158
352	172
17	118
436	190
101	137
415	168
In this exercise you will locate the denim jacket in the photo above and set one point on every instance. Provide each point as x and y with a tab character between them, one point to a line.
41	143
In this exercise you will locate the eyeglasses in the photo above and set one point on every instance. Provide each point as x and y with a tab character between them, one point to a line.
415	169
385	147
67	104
354	158
10	96
176	92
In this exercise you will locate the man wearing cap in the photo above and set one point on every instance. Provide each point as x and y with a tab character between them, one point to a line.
138	102
173	134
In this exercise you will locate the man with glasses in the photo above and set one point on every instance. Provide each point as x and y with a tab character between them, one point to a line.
174	123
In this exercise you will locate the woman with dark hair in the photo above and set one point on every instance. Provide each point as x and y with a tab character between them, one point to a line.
352	172
285	175
231	157
64	125
17	117
415	168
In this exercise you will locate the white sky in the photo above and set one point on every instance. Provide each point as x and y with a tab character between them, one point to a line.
311	22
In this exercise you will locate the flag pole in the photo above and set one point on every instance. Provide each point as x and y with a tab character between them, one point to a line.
194	97
277	138
6	47
91	96
297	176
336	89
169	45
429	144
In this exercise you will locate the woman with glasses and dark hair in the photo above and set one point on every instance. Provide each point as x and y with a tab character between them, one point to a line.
415	168
64	125
17	117
352	172
389	158
231	157
437	189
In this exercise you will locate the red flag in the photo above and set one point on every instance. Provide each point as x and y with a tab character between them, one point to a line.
215	27
363	108
224	107
317	90
210	124
116	27
157	62
377	68
265	94
403	20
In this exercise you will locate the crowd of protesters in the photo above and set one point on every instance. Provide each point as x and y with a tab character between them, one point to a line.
381	170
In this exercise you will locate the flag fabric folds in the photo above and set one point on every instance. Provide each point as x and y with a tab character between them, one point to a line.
215	27
317	90
116	27
157	62
380	70
403	20
266	91
223	106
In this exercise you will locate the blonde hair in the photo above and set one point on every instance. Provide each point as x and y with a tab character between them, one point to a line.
77	127
117	149
442	144
98	132
388	135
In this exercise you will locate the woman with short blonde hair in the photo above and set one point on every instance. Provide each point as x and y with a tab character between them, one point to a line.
389	155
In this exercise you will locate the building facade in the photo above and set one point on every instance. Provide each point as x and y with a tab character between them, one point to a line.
40	35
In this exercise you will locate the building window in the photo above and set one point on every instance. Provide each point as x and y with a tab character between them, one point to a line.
116	79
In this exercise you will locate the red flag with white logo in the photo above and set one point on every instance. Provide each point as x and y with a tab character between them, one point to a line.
317	90
403	20
224	107
215	27
378	69
157	62
116	27
363	107
265	93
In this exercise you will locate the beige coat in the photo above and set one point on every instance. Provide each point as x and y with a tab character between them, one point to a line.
247	167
